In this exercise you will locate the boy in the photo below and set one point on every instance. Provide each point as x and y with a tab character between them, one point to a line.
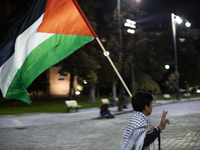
139	133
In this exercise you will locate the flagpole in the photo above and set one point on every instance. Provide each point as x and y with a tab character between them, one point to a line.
95	36
102	47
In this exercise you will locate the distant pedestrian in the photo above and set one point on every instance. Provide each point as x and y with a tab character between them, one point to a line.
139	133
105	111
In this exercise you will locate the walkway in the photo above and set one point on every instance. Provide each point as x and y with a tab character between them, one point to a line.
80	131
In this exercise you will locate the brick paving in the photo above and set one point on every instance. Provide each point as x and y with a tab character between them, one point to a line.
182	134
80	131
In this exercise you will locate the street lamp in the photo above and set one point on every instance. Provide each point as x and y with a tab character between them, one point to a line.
120	54
187	24
167	66
131	26
176	19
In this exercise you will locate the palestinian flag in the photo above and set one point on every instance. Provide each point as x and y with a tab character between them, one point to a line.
46	32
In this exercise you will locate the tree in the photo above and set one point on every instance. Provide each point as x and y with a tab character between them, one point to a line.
145	82
82	63
39	85
113	46
113	23
84	66
172	82
188	60
107	76
89	73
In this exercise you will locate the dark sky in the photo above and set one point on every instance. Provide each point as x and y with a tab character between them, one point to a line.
160	10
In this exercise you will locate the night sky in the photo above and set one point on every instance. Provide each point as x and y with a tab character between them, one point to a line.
160	10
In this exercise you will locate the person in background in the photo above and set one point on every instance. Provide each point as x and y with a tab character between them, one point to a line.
105	111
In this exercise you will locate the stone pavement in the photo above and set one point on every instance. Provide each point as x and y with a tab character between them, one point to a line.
81	131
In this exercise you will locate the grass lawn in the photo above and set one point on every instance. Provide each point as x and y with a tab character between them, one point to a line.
8	107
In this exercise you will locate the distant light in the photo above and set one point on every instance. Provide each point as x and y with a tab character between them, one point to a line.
107	53
84	81
198	91
130	23
187	24
131	31
78	92
103	39
167	66
178	20
182	39
138	1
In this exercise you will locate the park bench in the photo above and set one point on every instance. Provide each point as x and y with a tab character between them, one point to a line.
72	104
187	95
167	96
105	101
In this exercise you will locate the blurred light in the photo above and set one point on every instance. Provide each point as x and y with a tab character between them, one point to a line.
178	20
131	31
182	39
103	39
130	23
187	24
79	87
167	66
138	1
107	53
198	90
84	81
78	92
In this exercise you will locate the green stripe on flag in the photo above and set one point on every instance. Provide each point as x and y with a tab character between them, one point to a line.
45	55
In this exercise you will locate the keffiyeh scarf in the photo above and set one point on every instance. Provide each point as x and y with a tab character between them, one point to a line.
134	135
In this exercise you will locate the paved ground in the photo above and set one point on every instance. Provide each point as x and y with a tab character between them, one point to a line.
81	131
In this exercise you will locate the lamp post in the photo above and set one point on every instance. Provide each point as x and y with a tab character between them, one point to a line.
176	19
131	26
122	92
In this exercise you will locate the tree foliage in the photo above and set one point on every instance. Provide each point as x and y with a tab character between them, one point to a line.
151	51
83	63
172	82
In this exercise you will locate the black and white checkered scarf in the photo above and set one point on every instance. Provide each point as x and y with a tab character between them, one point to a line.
135	132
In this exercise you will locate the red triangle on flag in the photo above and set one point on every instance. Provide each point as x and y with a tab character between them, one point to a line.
63	17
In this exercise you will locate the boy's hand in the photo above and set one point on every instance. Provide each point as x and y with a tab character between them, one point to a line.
163	121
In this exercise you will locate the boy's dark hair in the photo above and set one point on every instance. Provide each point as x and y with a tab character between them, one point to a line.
140	99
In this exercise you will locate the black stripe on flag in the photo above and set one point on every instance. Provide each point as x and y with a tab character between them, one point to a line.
31	13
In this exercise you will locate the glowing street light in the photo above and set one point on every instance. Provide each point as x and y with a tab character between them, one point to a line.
131	31
176	19
167	66
187	24
131	25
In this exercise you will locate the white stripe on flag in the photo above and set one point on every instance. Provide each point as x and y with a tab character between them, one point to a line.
25	43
